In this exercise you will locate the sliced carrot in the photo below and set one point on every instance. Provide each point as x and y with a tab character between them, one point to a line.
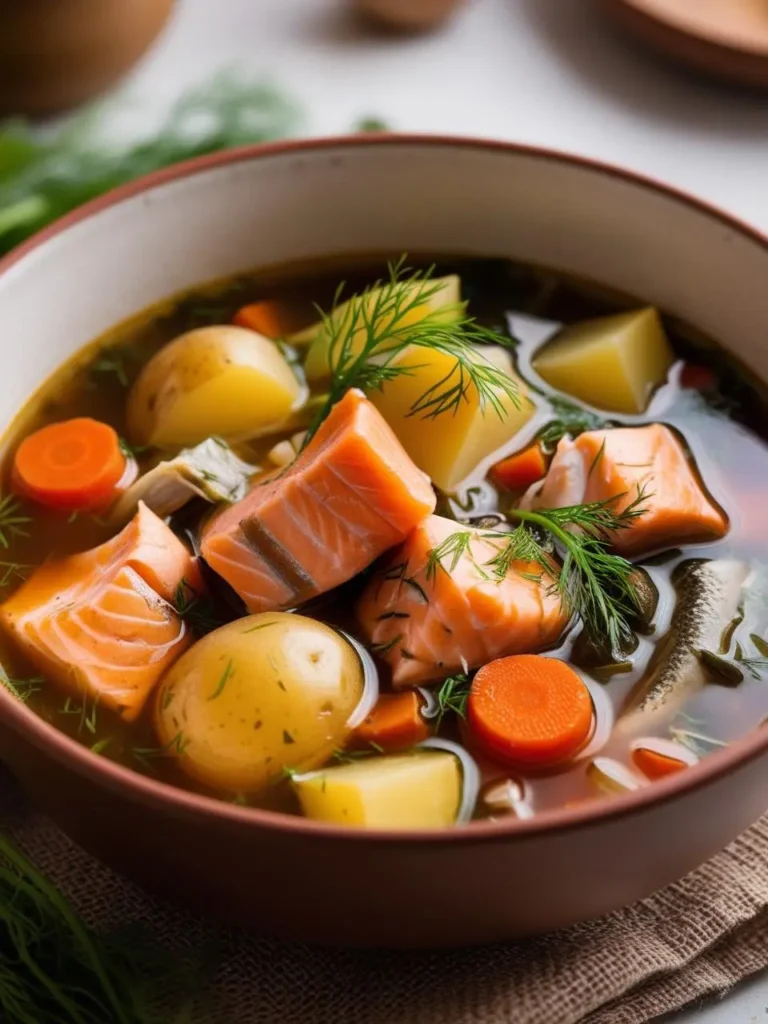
522	469
72	466
698	378
271	318
394	724
529	711
655	765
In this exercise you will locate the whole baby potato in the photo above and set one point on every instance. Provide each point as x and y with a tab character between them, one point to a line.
218	381
263	694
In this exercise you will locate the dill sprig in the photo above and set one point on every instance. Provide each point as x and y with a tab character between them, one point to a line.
593	583
12	521
21	689
452	696
369	333
196	610
570	419
12	571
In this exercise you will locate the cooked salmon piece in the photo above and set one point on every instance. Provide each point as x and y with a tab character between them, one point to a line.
102	624
429	625
349	496
622	464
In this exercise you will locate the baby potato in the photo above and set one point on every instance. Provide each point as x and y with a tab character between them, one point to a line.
219	381
258	696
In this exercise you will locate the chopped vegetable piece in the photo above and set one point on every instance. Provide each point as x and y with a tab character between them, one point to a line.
418	790
614	362
211	471
352	494
529	711
522	469
428	621
73	466
442	303
284	452
271	318
622	464
217	381
655	765
395	723
257	697
101	623
448	447
613	777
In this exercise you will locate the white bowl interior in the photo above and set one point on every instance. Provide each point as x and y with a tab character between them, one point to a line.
363	197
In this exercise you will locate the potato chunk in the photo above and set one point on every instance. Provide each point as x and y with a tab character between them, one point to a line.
260	695
451	445
418	790
444	300
215	381
613	363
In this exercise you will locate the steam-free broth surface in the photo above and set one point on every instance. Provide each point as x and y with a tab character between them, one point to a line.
715	413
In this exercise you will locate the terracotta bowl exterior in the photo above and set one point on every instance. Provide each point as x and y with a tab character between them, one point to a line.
260	206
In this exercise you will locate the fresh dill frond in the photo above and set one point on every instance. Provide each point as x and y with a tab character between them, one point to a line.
350	756
22	689
593	583
11	571
368	334
175	747
12	520
196	610
111	364
569	419
452	696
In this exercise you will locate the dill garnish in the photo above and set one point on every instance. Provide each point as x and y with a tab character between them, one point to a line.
569	419
175	747
111	364
226	675
86	714
10	571
196	610
12	523
453	696
350	756
368	335
22	689
593	584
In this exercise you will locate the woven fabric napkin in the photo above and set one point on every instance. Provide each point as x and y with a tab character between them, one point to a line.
695	939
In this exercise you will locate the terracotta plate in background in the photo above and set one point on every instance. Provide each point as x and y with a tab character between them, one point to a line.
728	38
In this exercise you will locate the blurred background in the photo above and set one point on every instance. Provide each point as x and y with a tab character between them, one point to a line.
620	80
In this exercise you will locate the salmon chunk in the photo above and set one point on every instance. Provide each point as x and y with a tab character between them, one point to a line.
626	463
351	494
101	624
427	625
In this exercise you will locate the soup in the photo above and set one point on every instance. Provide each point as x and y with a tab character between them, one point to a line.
470	540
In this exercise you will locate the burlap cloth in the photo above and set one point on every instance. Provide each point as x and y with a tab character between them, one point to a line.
695	939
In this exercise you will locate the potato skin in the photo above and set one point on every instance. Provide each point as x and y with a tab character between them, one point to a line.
219	381
258	696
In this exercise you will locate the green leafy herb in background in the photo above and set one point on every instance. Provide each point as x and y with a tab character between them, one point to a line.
43	177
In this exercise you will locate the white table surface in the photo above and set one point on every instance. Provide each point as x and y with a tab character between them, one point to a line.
547	72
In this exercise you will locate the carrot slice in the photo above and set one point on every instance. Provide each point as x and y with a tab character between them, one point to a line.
394	724
72	466
655	765
271	318
527	710
522	469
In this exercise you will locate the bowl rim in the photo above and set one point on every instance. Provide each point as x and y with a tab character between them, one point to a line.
171	799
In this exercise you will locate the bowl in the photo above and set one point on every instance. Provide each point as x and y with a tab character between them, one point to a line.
55	54
253	207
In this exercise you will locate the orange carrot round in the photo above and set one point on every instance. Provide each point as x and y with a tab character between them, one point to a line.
521	469
529	711
394	724
72	466
655	765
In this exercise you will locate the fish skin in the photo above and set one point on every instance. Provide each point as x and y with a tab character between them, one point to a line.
352	494
458	618
708	600
101	624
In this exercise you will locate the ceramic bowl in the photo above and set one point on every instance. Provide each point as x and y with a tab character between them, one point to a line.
245	209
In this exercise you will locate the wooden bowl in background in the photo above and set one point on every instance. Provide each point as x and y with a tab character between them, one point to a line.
55	54
725	38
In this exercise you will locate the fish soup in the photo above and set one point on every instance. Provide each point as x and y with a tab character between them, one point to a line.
475	541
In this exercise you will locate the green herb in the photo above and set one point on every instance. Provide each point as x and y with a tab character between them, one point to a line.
10	571
22	689
175	747
87	715
593	584
367	337
44	177
131	451
453	696
12	523
371	124
101	745
73	516
111	364
54	969
722	669
196	610
226	675
260	625
350	756
697	742
570	419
